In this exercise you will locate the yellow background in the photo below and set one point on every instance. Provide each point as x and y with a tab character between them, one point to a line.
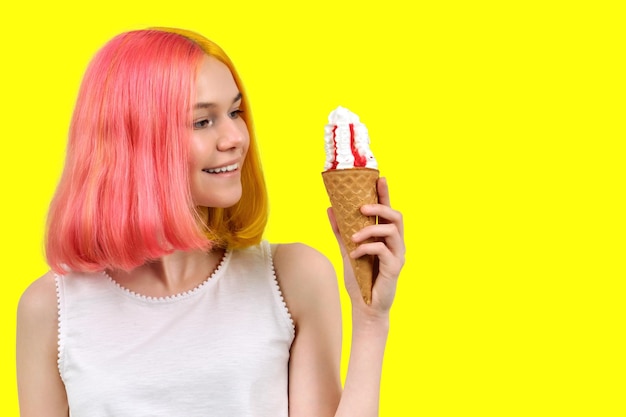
500	126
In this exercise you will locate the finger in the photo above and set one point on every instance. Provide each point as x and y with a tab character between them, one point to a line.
389	233
331	218
383	192
382	211
385	215
387	258
375	230
335	227
390	264
383	195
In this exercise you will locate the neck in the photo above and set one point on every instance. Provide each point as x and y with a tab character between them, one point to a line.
172	274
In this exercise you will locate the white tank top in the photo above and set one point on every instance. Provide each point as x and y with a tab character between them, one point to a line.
221	349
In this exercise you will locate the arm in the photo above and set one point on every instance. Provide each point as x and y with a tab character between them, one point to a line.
40	389
370	323
309	285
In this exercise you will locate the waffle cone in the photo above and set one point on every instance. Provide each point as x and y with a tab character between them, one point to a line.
348	190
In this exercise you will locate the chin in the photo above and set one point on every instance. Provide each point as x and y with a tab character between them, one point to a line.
215	202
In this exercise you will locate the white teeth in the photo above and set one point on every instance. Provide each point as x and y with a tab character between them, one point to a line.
227	168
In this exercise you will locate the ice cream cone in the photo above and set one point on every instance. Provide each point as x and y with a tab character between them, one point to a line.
348	190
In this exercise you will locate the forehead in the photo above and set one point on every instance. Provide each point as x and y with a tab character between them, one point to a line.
214	82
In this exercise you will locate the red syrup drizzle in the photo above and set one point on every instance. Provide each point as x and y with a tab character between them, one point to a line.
334	166
359	160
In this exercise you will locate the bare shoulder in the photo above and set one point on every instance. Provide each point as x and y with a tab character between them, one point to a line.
298	255
306	276
40	388
309	285
39	301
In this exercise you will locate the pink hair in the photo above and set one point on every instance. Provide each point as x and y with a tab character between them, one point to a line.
124	195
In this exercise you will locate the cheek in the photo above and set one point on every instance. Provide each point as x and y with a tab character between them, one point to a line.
246	138
246	146
196	148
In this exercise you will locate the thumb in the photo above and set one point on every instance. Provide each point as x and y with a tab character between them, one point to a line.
335	227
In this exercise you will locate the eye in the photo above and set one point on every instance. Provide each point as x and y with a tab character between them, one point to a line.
235	114
202	123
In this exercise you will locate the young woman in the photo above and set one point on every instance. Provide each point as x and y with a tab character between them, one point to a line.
162	299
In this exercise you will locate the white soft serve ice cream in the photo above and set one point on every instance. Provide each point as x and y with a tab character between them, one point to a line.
347	143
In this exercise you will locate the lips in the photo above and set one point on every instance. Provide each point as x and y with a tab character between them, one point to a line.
222	169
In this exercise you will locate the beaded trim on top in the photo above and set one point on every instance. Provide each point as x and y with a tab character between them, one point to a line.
278	293
178	296
60	333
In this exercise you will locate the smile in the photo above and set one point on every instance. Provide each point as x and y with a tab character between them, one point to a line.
227	168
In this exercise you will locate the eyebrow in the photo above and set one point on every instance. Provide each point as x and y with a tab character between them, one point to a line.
204	105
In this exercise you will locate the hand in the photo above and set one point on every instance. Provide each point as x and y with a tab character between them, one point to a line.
389	248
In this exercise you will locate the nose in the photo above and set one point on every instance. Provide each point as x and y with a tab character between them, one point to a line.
231	134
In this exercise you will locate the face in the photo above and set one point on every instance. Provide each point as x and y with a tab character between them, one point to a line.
220	138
